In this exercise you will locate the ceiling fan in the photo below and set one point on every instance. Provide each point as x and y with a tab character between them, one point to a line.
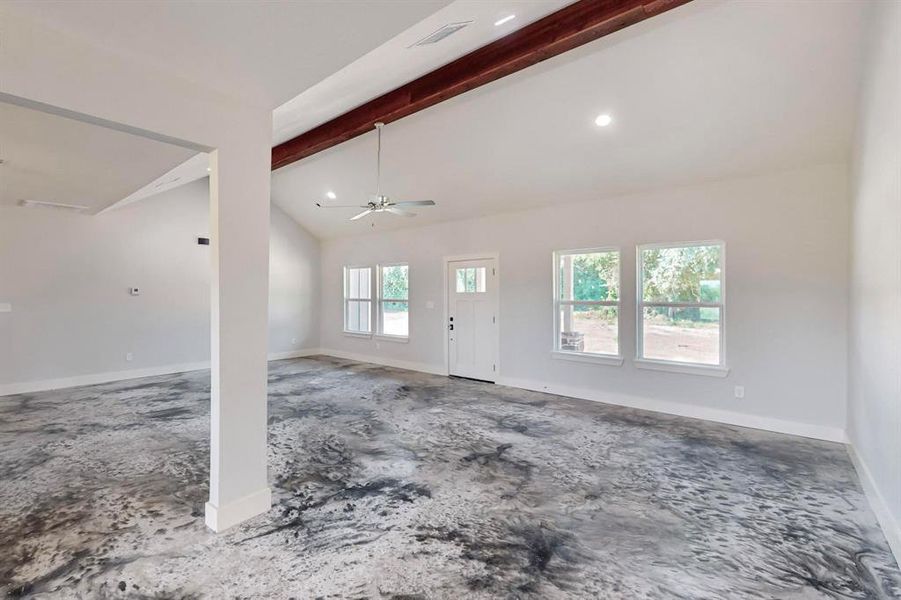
380	202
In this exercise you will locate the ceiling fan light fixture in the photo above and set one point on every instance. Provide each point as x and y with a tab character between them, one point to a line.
378	202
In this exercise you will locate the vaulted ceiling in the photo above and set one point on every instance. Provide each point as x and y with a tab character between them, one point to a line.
707	91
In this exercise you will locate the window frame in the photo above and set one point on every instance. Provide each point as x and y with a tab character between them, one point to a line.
348	300
716	370
591	357
380	327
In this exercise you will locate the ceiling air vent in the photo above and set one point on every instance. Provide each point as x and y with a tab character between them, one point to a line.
53	205
439	34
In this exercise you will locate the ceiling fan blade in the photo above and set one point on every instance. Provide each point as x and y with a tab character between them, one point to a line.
415	203
361	215
400	211
341	205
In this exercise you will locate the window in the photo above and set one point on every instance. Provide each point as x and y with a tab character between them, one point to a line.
394	300
586	302
358	299
471	280
681	303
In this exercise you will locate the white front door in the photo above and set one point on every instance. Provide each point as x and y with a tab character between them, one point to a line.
472	318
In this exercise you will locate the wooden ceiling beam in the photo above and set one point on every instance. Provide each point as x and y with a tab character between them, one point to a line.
568	28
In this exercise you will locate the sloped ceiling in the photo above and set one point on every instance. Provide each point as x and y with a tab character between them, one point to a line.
707	91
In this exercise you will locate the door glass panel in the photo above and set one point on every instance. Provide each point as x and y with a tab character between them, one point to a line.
461	281
471	280
480	280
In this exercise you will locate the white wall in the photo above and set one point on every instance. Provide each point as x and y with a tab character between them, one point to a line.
786	277
294	293
67	276
874	423
45	67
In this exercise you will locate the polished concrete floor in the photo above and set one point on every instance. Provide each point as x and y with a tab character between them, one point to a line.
392	484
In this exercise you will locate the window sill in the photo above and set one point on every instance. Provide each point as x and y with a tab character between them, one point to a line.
358	334
598	359
400	339
684	368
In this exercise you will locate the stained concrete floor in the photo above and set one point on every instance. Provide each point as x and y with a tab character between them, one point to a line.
393	484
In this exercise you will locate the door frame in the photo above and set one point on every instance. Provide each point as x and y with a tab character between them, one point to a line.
496	257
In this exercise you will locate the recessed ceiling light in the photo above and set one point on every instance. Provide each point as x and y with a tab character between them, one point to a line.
506	19
331	195
603	120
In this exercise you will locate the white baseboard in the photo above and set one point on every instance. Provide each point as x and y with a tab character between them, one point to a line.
42	385
220	518
890	525
819	432
387	362
293	354
27	387
832	434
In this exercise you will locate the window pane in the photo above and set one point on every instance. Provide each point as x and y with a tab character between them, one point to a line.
365	287
358	315
358	282
353	316
591	276
353	283
364	316
689	335
395	283
690	274
589	329
461	281
395	318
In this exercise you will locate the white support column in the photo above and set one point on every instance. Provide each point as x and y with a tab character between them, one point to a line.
239	214
567	269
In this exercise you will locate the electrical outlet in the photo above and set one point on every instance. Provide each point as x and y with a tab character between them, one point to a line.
378	346
739	391
294	341
129	356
